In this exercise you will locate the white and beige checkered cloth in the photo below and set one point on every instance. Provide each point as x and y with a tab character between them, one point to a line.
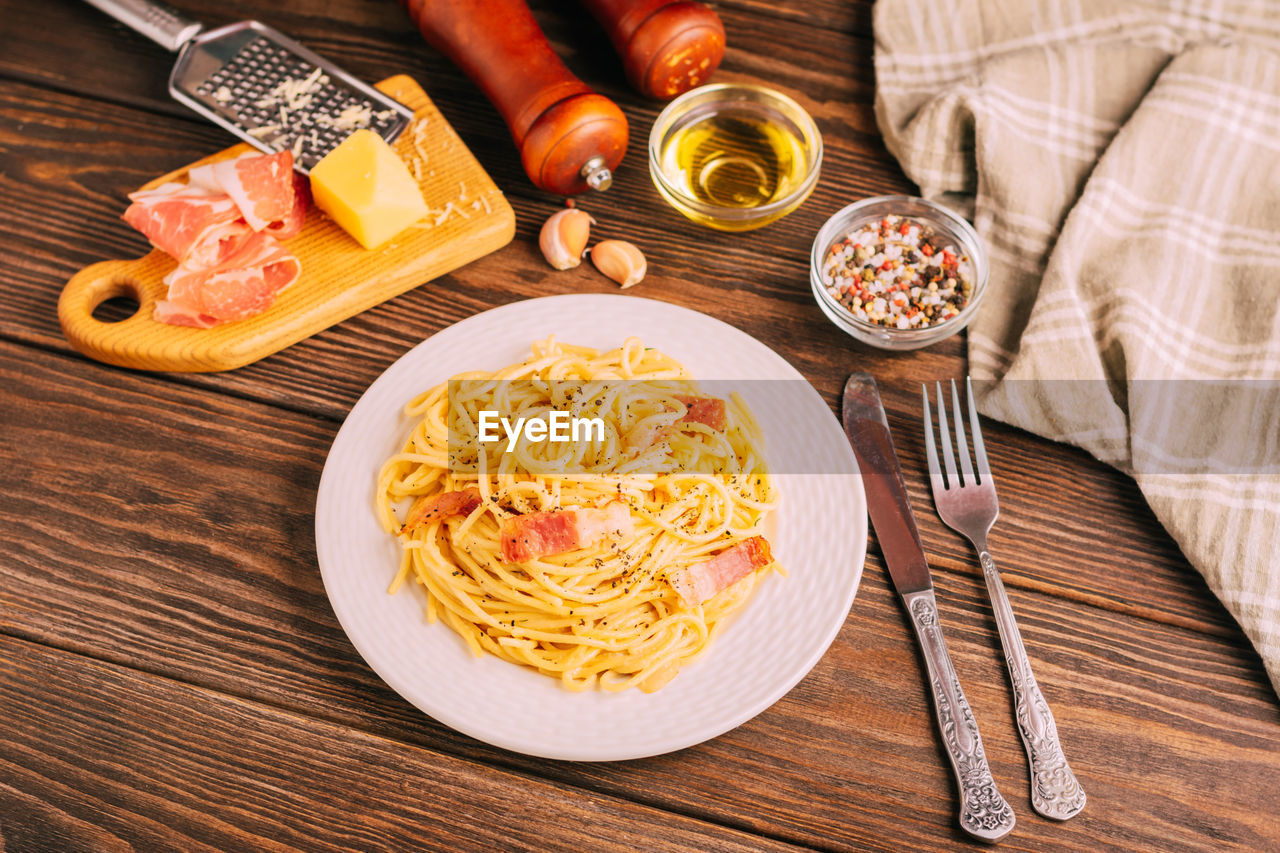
1121	161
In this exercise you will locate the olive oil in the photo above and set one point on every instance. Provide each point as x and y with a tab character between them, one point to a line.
738	159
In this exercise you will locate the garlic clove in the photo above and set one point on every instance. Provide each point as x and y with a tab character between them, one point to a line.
620	261
564	237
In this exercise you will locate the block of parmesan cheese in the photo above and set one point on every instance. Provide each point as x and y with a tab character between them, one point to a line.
367	189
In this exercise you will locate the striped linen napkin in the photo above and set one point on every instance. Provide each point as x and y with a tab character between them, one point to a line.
1121	161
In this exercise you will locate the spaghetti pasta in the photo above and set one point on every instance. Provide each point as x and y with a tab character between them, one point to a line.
590	593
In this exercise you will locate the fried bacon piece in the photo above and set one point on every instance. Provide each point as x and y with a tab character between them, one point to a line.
700	581
540	534
430	507
709	411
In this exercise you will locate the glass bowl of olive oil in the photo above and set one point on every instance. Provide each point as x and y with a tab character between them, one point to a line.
734	156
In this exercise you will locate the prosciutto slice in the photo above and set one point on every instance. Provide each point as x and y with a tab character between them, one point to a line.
245	284
179	218
202	177
291	224
180	314
700	581
260	185
541	534
216	246
223	228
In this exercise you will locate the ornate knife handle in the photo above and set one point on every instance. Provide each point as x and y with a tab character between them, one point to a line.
983	812
1055	793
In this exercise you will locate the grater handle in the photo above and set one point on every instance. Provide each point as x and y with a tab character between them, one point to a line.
160	23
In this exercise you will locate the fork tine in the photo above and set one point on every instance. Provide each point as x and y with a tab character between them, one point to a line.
962	446
930	449
979	451
944	435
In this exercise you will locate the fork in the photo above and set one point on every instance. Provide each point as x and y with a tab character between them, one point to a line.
968	505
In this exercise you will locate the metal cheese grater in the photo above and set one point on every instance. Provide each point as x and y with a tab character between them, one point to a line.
262	86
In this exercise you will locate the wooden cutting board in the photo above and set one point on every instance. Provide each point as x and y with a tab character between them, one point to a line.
470	218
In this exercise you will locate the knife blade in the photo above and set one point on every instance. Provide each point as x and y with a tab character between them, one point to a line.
895	525
983	812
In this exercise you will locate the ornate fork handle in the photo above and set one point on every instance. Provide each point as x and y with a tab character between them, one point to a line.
983	812
1055	793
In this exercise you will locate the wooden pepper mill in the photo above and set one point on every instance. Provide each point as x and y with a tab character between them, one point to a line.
667	47
570	138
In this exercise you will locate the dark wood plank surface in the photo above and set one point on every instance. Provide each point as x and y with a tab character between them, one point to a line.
173	676
208	599
107	760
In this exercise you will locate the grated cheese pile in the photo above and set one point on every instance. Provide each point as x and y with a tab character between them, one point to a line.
292	95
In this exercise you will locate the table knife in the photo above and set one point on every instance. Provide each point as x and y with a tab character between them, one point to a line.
983	812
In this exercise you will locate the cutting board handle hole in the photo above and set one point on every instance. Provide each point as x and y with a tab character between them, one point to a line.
117	301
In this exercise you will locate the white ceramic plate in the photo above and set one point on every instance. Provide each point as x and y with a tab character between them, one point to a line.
777	638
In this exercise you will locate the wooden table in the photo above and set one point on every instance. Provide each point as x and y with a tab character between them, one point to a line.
173	676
